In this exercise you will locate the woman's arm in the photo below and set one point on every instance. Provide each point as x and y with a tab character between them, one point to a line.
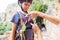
39	35
13	30
37	31
50	18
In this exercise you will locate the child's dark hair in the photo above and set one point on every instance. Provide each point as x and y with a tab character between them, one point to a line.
21	1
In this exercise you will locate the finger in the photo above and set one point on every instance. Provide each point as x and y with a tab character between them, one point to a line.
27	15
31	24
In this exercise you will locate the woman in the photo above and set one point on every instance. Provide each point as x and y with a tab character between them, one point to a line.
50	18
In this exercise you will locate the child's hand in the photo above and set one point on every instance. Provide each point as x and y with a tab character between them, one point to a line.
35	27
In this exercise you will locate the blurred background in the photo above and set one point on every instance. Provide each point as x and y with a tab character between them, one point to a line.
8	7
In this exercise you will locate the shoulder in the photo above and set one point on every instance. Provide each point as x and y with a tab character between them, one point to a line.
16	15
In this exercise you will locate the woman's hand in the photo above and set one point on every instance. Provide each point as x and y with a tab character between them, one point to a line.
33	14
35	28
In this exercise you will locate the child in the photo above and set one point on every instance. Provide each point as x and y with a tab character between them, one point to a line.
16	21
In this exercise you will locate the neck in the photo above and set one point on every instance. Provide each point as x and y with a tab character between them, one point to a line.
24	11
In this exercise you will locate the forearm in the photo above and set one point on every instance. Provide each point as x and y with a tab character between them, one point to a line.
39	35
50	18
13	35
13	31
37	31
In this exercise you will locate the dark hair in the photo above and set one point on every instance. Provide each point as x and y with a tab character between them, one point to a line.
21	1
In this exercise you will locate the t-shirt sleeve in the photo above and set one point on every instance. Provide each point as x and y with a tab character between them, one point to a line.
15	19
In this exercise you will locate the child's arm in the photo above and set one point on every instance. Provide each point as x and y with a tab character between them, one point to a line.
13	30
15	20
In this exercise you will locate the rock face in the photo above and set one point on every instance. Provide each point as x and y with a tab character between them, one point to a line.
6	16
8	35
52	30
11	9
2	37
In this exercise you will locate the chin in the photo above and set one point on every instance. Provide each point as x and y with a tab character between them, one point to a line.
25	10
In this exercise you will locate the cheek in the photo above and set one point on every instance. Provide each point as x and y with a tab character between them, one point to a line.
27	7
23	6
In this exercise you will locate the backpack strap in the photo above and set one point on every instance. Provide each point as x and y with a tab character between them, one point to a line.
21	21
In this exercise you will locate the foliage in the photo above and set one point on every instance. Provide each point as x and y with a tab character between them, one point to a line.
39	6
5	26
42	8
51	0
59	1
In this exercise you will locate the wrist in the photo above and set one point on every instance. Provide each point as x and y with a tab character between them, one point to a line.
38	13
38	31
41	14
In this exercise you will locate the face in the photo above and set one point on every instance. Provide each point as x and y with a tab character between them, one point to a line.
26	5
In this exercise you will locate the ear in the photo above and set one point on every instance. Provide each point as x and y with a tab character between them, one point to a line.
19	3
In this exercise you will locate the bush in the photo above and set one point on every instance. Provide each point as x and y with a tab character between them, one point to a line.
5	26
43	8
59	1
38	6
